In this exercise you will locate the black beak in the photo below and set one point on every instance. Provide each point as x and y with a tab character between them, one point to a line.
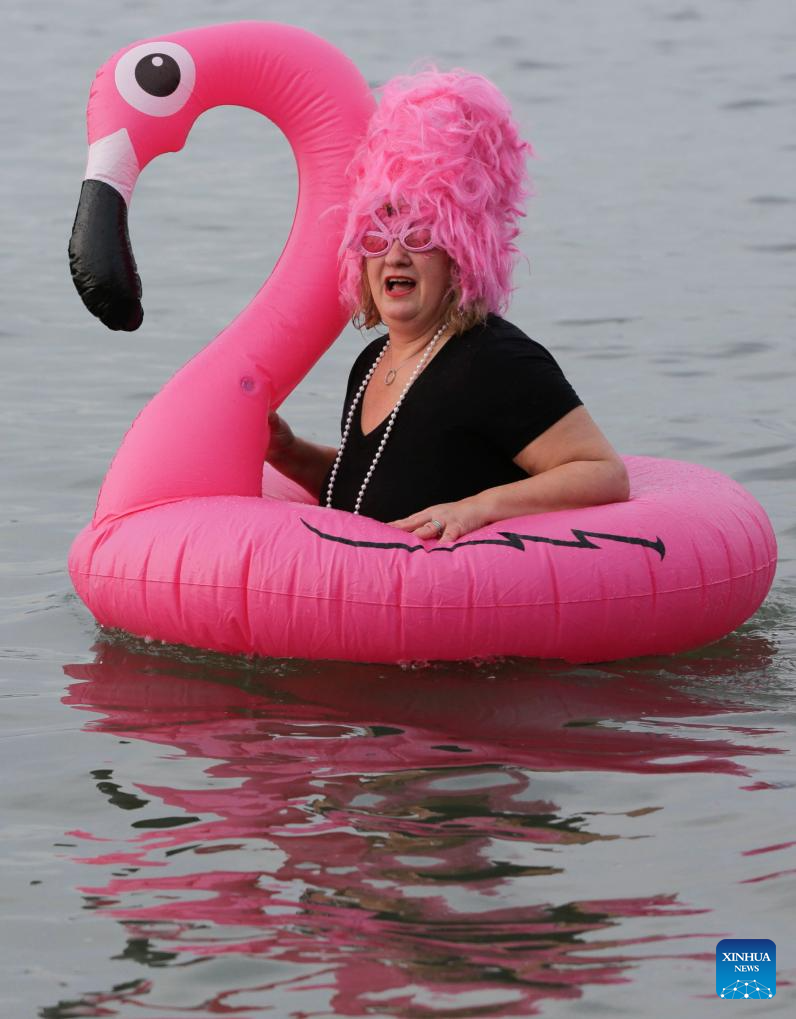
101	259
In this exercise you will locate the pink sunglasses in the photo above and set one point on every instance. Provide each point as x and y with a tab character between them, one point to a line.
414	238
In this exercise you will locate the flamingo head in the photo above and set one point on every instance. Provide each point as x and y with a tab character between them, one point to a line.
145	100
142	103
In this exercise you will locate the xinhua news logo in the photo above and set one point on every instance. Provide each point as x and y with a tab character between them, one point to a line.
746	968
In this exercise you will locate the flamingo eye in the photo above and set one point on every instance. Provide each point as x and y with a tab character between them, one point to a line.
158	74
156	78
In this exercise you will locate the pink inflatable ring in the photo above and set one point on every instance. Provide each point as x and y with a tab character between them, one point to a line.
190	542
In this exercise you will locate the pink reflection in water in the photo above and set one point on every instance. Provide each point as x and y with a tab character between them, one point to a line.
374	813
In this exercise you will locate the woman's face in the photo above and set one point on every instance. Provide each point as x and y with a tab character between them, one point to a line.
410	289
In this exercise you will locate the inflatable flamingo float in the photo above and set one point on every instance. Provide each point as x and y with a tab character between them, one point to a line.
189	545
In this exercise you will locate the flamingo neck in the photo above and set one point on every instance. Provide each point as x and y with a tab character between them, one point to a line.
319	100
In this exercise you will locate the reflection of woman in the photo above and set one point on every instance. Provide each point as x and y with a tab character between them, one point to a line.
456	419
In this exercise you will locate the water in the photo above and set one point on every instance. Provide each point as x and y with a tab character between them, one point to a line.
190	835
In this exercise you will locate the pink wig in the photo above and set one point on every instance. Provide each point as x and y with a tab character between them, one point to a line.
444	148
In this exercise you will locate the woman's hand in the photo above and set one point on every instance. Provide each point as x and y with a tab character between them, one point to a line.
304	462
447	521
281	440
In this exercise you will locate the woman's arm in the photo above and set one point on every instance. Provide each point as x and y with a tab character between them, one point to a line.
571	464
304	462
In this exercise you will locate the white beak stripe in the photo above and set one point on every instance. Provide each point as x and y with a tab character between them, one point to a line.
112	160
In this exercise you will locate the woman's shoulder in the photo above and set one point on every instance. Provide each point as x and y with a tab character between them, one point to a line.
521	388
497	340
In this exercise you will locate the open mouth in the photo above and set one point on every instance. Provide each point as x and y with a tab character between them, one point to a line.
397	285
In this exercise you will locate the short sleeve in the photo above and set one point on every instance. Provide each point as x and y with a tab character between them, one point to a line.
522	391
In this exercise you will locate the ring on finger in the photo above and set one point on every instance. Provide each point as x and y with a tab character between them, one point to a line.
438	526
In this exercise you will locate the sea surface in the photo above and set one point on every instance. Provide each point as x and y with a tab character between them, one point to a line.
188	835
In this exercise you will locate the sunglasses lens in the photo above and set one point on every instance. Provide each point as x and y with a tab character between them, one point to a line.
418	238
374	244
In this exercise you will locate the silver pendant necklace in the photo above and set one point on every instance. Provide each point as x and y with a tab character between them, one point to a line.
392	373
427	352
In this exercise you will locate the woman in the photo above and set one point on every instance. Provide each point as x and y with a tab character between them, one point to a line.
457	419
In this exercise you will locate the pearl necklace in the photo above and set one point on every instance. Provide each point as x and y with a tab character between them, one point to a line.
427	352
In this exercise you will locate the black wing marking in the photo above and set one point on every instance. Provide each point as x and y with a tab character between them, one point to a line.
508	539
